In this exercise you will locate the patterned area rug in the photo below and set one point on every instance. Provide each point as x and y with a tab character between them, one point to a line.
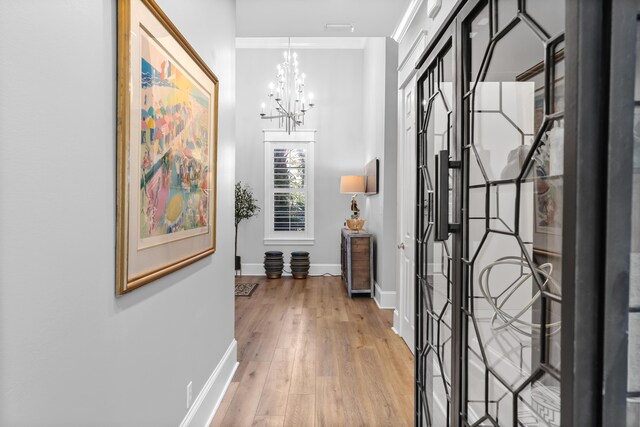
245	289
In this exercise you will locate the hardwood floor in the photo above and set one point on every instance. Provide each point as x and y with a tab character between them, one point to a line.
309	355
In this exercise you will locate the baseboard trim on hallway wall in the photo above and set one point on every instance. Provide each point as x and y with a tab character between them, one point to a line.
314	269
206	404
385	299
396	322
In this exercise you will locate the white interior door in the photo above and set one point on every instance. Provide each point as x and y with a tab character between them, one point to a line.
406	214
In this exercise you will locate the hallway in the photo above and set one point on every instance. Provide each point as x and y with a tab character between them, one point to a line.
309	355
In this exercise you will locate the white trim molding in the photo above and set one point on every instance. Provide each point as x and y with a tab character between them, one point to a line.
433	7
289	242
386	300
301	42
407	68
405	21
299	141
396	322
251	269
412	49
206	404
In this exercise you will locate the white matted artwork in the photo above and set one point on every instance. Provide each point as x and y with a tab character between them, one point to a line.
433	7
167	130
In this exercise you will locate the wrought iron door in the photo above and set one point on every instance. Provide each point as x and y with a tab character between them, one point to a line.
489	227
434	293
513	194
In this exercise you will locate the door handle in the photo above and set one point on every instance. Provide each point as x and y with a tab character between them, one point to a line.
442	225
401	246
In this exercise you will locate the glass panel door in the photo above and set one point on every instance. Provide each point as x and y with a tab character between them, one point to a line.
513	62
435	269
490	299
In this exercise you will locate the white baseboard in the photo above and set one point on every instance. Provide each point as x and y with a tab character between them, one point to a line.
314	269
385	299
396	322
206	404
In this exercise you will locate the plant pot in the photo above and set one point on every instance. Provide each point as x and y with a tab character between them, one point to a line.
238	262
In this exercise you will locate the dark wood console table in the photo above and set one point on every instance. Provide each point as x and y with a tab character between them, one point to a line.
357	261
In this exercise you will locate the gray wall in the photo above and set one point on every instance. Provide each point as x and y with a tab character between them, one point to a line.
334	76
380	129
356	115
72	354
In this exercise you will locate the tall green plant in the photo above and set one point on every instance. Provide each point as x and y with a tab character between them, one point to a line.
246	206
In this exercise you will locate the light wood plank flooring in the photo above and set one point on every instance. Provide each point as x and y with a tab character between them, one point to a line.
309	356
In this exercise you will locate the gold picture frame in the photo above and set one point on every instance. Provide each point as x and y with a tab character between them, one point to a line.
167	131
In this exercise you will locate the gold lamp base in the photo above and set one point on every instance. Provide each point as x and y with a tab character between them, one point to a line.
355	224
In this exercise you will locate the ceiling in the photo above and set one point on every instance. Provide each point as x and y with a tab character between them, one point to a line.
307	18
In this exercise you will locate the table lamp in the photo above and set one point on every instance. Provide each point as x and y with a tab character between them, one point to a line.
354	185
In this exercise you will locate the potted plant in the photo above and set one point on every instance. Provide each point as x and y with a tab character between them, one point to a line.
246	208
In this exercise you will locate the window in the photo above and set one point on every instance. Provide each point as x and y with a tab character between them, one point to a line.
289	187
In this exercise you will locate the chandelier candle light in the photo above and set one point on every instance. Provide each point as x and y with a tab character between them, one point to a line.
287	101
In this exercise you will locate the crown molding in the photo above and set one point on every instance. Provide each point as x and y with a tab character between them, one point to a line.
301	42
421	35
405	21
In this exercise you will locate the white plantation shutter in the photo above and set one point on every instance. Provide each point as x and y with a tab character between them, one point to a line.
289	167
289	189
289	194
289	212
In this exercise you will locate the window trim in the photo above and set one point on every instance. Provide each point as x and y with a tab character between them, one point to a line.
275	138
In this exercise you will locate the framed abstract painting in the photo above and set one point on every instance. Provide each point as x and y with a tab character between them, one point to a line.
166	155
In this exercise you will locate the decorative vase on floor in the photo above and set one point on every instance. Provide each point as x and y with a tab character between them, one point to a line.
273	264
300	264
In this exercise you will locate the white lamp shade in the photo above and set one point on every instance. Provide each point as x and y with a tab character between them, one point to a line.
352	184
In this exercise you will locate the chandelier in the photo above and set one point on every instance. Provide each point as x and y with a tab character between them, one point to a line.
286	98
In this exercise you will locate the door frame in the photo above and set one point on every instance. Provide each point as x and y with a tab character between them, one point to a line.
619	46
406	204
619	210
599	134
